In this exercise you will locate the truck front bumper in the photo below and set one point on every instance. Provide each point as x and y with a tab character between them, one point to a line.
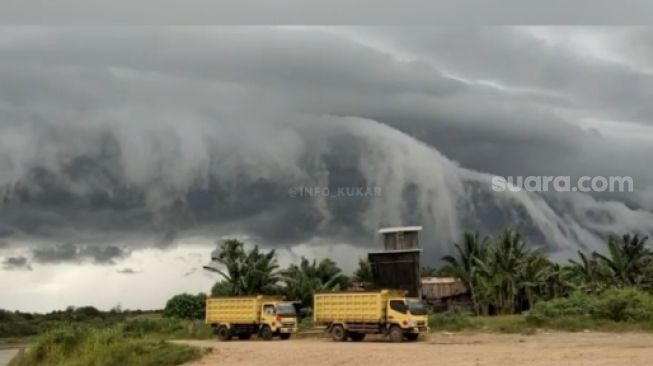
422	329
287	330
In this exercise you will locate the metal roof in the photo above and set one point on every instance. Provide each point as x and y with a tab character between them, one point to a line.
434	280
388	230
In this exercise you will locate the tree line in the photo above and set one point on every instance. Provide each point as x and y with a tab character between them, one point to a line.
505	276
252	272
502	273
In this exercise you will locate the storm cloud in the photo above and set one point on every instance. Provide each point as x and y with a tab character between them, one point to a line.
119	139
16	263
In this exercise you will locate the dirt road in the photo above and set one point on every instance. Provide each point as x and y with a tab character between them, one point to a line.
559	349
6	354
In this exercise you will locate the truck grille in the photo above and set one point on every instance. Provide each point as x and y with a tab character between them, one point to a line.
421	323
288	324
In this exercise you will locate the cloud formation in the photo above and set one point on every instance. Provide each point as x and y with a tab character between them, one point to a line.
118	139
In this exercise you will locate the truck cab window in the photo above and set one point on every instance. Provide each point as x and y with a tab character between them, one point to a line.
268	309
399	306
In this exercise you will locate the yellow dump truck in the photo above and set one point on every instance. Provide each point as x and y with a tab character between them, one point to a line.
352	315
266	316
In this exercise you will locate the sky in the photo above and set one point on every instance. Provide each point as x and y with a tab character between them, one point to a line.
126	153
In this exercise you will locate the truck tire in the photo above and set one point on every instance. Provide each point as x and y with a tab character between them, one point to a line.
284	336
338	333
356	337
265	333
396	334
223	333
412	336
244	336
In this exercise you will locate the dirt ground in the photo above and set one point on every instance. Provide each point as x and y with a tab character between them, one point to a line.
577	349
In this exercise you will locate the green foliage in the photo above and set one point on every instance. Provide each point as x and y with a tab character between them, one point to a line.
364	272
244	273
83	346
167	328
503	274
186	306
310	277
18	324
614	305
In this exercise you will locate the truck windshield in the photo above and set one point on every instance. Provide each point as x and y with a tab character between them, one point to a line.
286	309
416	307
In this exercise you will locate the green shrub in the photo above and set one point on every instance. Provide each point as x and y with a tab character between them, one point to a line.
616	305
186	306
84	346
453	322
167	328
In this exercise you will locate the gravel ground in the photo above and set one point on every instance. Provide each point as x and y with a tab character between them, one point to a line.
460	349
6	354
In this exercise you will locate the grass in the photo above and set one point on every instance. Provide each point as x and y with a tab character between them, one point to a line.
86	346
522	324
166	328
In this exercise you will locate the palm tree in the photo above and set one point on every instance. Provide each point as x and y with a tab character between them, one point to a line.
364	272
588	273
465	264
508	257
628	259
245	273
308	277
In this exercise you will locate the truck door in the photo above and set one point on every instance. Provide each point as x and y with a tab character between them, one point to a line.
397	311
268	314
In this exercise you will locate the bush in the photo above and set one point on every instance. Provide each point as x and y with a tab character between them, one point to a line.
167	328
82	346
453	322
617	305
186	306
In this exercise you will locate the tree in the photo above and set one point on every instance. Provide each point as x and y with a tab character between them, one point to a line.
186	306
245	273
302	280
465	264
364	272
628	260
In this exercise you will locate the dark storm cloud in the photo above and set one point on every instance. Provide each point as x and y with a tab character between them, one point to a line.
16	263
67	252
112	133
127	271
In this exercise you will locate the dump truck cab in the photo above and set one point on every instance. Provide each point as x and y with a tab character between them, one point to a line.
280	317
409	314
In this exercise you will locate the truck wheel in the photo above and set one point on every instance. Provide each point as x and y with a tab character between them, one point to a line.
338	333
266	333
396	334
244	336
412	336
284	336
223	333
357	337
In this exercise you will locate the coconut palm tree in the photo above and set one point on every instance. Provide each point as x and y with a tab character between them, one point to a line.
302	280
242	272
628	260
466	262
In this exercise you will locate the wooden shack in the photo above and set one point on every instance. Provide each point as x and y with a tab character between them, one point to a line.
446	294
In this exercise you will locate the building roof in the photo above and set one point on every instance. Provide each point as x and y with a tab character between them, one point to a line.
439	280
389	230
395	251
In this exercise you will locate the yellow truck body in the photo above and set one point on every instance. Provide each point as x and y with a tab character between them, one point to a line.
236	309
351	315
266	316
352	306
